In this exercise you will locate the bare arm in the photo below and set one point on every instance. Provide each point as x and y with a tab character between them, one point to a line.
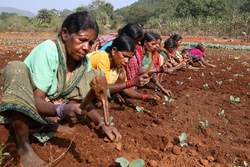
44	107
206	63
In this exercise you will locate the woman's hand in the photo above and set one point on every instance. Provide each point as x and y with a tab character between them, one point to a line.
111	132
70	112
141	80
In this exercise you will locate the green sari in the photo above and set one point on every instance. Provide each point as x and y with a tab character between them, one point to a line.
18	86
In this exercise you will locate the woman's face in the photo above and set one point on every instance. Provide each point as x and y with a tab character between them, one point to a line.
178	42
121	58
151	46
78	44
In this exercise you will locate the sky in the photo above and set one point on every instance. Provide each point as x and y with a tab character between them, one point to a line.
34	5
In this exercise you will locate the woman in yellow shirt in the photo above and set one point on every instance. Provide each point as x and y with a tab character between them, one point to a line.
112	62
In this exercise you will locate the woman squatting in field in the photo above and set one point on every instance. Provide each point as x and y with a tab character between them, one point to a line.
53	71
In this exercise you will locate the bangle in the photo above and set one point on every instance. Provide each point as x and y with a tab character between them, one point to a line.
59	110
129	83
144	97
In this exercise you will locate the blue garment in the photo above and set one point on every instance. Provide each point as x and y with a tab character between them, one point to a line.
105	46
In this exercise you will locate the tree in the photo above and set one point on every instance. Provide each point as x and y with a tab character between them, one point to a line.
44	16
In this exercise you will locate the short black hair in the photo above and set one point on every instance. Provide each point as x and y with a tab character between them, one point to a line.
123	43
170	43
133	30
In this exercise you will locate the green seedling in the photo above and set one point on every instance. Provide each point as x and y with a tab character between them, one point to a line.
205	86
3	154
183	139
202	74
229	68
238	75
248	69
234	99
43	137
189	78
123	162
248	84
221	113
204	124
168	99
139	109
219	82
179	82
230	80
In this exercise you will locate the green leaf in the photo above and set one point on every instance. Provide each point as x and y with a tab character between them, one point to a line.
183	139
234	99
123	162
205	86
137	163
43	137
139	109
204	124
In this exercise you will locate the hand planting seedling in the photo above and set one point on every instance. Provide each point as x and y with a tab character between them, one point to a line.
234	99
183	139
123	162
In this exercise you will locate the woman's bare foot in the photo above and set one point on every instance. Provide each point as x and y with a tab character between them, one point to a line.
28	158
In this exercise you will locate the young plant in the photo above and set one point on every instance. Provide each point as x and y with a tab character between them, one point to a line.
183	139
204	124
234	99
205	86
123	162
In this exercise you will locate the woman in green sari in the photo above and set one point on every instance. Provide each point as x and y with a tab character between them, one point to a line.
51	81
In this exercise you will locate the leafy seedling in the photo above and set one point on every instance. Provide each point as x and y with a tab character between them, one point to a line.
168	99
205	86
189	78
204	124
123	162
248	84
234	99
139	109
238	75
183	139
43	137
229	68
202	74
219	82
179	82
221	113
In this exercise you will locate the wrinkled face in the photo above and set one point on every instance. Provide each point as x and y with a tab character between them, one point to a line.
151	46
78	44
121	58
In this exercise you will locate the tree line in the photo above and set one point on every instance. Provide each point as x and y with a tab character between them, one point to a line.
194	17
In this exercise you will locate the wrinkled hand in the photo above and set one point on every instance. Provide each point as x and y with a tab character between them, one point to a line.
141	80
111	132
167	92
70	111
154	97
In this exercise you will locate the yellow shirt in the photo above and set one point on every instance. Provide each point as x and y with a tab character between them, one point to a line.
100	61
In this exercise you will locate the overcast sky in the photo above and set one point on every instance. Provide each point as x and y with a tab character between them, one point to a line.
34	5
